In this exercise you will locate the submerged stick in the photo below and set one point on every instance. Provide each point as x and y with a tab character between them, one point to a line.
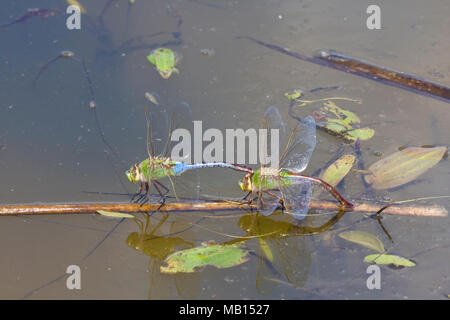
74	208
368	70
384	74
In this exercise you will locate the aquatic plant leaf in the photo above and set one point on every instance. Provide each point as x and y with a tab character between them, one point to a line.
362	134
389	259
338	169
403	166
115	214
335	127
193	260
152	97
151	58
293	94
342	122
346	117
364	239
76	3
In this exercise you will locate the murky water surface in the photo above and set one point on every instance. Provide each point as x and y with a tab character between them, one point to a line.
52	150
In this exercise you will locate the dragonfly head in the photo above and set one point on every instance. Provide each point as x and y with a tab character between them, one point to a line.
246	183
133	174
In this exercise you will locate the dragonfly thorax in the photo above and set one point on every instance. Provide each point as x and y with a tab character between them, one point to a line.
151	169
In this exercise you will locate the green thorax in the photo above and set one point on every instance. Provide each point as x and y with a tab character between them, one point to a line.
156	168
271	179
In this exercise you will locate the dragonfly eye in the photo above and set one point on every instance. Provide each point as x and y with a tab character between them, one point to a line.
245	184
132	174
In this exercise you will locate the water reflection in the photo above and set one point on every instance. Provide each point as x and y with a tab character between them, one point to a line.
282	252
153	243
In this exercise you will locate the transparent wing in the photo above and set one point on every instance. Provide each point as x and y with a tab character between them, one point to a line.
269	147
180	118
300	146
157	126
296	197
295	259
267	204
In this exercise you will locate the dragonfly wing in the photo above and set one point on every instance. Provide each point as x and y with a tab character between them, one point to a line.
157	127
180	118
273	123
273	120
295	259
296	198
300	147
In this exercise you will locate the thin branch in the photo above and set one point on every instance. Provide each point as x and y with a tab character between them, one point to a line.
74	208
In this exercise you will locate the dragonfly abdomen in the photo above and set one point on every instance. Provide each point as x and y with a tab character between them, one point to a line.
180	167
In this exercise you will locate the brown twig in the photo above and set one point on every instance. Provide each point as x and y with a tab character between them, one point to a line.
74	208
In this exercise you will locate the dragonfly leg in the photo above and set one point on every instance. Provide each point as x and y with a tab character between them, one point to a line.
280	199
144	195
138	193
252	197
245	198
260	200
162	186
163	196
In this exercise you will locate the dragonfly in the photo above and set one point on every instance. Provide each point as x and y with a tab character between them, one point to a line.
286	184
158	166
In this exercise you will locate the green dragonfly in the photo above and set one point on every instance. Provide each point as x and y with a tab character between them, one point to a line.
157	166
294	190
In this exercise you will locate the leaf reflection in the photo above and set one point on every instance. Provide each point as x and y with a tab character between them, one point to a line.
153	243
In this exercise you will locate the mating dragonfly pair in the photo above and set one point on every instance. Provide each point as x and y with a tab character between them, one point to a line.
284	186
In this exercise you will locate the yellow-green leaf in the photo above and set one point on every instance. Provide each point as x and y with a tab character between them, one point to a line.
403	166
364	239
115	214
338	169
293	94
362	134
389	259
76	3
193	260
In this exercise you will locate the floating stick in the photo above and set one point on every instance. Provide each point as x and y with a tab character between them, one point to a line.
368	70
385	75
76	208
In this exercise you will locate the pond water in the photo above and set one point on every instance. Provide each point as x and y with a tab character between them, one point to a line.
52	151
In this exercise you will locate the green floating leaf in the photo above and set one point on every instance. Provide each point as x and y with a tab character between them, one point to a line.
364	239
192	260
342	122
403	166
362	134
293	94
115	214
389	259
338	170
